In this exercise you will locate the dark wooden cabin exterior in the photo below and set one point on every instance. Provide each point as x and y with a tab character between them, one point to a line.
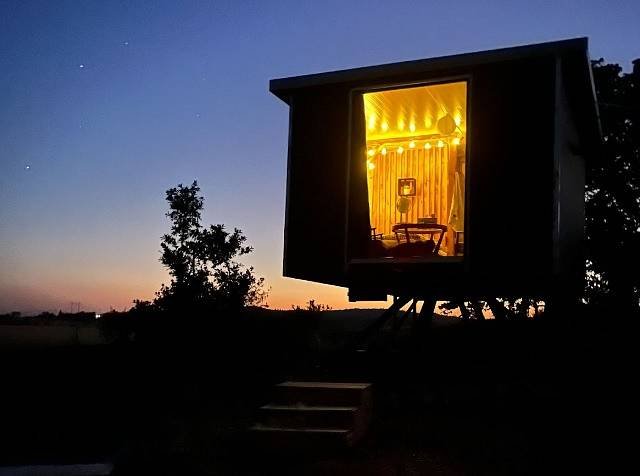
530	123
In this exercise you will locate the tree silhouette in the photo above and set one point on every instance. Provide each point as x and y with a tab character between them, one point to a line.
201	261
613	191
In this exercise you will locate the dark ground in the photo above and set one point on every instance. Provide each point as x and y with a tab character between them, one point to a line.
468	398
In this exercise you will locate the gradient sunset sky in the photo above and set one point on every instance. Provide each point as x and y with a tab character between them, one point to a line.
106	104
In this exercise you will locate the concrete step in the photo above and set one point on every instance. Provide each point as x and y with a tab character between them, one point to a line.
302	416
302	438
323	394
314	415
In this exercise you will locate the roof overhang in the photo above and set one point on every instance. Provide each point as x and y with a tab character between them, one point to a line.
575	50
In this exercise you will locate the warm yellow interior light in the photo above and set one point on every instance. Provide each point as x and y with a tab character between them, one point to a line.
428	124
414	119
413	111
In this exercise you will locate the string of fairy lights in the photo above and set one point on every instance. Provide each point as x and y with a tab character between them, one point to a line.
399	147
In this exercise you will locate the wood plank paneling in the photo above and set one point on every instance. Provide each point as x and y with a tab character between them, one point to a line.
432	169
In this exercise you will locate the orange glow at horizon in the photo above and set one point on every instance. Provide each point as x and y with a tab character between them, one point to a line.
101	292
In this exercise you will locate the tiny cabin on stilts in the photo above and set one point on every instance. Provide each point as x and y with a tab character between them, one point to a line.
459	176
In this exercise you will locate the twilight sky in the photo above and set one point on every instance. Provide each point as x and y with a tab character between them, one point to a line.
106	104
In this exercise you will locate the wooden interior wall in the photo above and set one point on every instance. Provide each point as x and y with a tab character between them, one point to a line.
433	170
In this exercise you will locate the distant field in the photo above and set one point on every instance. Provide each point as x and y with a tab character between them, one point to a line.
39	336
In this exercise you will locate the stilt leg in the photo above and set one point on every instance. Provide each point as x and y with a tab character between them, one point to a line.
497	309
428	308
397	324
398	302
477	310
463	309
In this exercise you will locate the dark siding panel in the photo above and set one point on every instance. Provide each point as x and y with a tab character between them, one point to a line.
571	182
316	195
359	226
510	173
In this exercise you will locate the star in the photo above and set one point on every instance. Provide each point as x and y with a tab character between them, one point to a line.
81	66
27	167
125	43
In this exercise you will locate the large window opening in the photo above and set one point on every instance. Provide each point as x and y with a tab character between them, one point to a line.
416	140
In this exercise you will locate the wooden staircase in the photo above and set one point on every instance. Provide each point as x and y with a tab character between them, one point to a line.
315	415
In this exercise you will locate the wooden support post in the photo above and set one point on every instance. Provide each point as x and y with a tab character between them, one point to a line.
477	310
424	318
398	302
497	309
428	308
463	309
400	319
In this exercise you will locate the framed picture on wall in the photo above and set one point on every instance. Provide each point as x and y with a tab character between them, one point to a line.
406	187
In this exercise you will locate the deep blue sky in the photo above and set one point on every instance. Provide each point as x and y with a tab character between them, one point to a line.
109	103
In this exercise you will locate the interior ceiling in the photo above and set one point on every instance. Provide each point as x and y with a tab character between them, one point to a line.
415	111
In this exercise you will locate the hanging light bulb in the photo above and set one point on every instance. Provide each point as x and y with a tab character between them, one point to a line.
440	144
456	141
400	150
412	144
427	145
385	126
371	152
371	165
383	151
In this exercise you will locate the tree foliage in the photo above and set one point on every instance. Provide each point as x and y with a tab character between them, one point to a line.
613	190
202	261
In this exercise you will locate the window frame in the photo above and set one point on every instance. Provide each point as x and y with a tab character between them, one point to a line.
360	90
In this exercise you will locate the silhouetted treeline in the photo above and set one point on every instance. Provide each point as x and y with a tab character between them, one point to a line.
613	191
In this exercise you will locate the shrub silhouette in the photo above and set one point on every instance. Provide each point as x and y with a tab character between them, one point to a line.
312	307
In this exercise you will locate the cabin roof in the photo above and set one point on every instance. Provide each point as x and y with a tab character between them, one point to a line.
576	48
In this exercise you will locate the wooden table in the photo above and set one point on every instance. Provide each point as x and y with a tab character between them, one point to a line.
420	229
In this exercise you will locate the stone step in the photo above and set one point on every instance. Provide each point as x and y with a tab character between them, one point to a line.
302	416
302	438
323	394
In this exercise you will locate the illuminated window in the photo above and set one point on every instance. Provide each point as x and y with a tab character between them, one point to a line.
416	139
